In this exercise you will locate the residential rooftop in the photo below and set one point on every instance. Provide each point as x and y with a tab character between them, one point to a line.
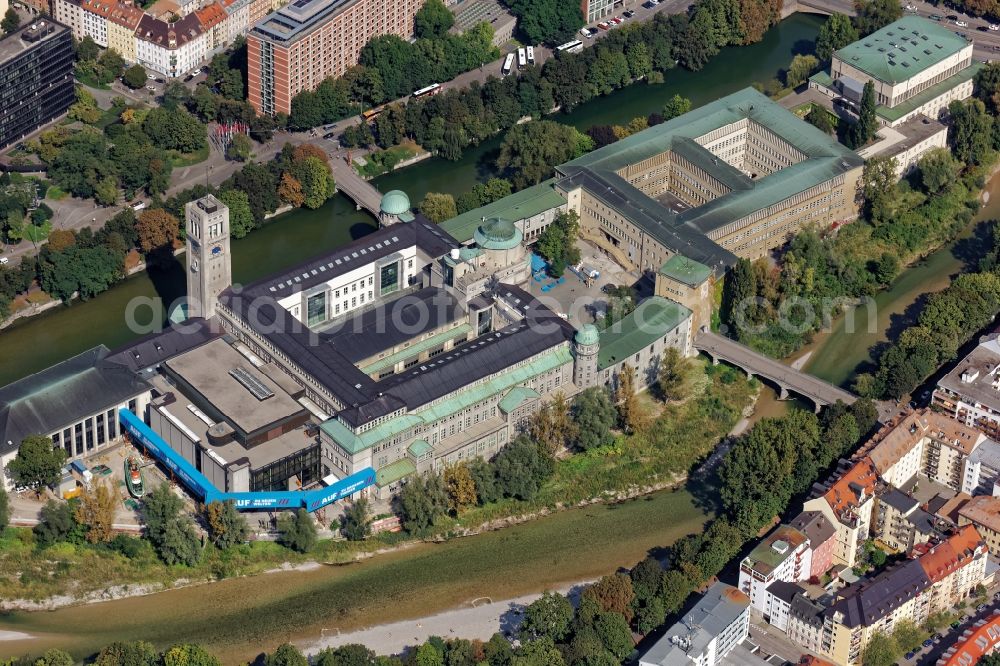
943	559
975	377
903	49
721	606
868	601
983	510
774	549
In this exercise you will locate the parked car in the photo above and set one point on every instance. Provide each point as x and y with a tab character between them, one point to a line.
928	643
196	71
603	26
137	205
952	17
628	14
911	8
910	655
4	261
329	135
993	26
982	28
151	88
150	76
935	17
962	24
649	4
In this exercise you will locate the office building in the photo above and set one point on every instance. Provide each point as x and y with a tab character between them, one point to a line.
717	624
917	66
306	41
36	78
75	403
596	10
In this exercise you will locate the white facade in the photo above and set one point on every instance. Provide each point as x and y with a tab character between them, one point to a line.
96	27
785	555
171	61
776	611
69	14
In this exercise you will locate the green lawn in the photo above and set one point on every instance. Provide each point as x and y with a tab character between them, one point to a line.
179	160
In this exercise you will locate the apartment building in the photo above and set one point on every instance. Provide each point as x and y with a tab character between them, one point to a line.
784	555
717	624
36	78
981	469
976	642
123	21
970	393
847	503
901	523
306	41
171	48
898	454
984	514
822	540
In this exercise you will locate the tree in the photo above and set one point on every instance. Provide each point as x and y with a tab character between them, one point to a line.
970	131
134	77
531	151
875	14
676	106
290	190
938	169
4	510
57	523
85	109
170	532
241	220
907	635
539	652
433	20
878	180
625	396
738	293
226	526
881	650
356	522
11	21
438	207
887	268
522	466
672	374
835	34
551	426
352	654
240	148
547	21
286	654
460	487
38	463
55	657
800	69
612	629
297	531
421	500
157	230
128	653
316	180
613	593
484	476
595	416
428	654
175	129
821	119
189	654
551	615
96	510
864	129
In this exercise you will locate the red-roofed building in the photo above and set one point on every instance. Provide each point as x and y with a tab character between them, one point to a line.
975	643
955	566
847	503
213	18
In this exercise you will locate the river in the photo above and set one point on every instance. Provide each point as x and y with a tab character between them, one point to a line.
36	343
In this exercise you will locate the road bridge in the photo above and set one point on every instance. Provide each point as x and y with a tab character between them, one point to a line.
360	191
787	379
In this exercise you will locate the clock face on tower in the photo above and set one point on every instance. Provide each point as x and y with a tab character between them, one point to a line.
216	250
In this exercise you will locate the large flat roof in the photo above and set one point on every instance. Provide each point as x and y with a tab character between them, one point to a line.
684	232
520	205
298	18
902	49
206	370
28	37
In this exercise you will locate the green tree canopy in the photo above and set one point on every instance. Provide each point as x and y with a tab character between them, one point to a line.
297	531
595	416
356	522
38	463
134	77
438	207
433	20
836	33
550	615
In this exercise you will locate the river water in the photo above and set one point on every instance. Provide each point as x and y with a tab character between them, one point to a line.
36	343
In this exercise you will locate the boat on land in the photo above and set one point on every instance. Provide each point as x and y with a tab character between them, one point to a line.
133	477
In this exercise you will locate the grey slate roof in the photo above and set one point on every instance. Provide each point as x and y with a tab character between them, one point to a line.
867	602
784	590
899	500
62	394
151	350
815	526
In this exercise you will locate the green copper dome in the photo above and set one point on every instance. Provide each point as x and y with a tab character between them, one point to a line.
587	335
497	234
395	202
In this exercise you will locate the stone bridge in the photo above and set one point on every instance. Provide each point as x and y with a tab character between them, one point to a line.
786	378
360	191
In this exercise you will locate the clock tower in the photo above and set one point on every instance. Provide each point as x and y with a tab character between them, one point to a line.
209	269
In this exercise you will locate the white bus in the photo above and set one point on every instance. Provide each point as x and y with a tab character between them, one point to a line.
432	89
531	55
508	64
571	47
522	58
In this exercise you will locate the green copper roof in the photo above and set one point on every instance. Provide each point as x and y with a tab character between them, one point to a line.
355	443
418	447
587	335
684	232
497	234
926	95
394	472
462	330
395	202
516	397
684	270
902	49
516	207
653	319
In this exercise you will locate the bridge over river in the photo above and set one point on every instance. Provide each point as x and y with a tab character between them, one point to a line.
786	378
359	190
